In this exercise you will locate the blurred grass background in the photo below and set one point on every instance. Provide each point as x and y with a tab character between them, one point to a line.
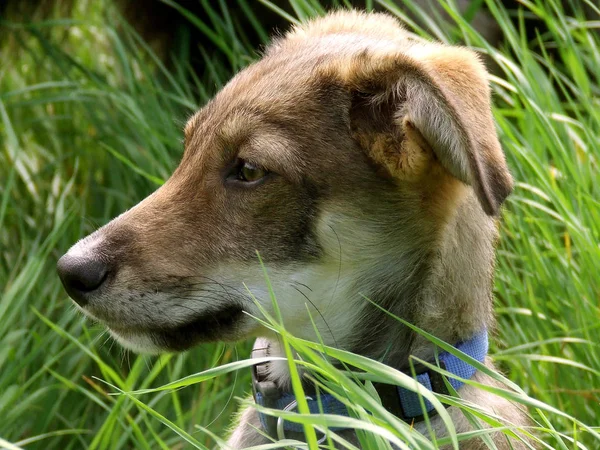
91	119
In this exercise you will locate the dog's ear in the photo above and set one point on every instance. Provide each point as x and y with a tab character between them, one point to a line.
428	98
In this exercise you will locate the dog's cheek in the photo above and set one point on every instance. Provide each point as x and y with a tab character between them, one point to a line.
277	221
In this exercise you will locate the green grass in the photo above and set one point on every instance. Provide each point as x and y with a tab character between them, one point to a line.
91	122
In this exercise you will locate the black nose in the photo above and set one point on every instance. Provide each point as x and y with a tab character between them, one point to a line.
81	275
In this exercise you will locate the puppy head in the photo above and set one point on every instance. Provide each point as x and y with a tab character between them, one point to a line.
340	157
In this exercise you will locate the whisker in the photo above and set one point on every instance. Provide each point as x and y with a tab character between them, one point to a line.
339	265
231	394
302	284
320	314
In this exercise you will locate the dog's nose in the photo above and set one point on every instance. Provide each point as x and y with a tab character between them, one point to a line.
81	275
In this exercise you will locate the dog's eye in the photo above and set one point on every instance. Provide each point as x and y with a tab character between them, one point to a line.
248	172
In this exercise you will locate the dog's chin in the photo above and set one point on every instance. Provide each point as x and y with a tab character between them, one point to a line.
138	342
223	325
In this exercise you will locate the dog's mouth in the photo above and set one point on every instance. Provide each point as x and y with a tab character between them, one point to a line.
210	326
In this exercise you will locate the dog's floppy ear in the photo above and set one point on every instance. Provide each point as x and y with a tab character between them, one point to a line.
438	94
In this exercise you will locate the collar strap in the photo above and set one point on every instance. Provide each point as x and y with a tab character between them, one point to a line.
402	402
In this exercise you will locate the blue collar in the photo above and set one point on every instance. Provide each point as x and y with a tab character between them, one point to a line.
402	402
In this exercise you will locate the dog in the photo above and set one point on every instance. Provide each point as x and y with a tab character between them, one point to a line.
358	162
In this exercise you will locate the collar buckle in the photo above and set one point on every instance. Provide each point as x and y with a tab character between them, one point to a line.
265	393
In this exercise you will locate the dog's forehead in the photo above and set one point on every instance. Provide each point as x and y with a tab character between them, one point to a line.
274	93
288	85
271	87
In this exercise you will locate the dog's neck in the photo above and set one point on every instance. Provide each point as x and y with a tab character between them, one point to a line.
396	343
446	302
278	370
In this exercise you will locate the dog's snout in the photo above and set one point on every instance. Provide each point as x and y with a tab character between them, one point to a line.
81	276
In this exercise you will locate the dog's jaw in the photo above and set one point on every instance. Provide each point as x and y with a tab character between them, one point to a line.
210	326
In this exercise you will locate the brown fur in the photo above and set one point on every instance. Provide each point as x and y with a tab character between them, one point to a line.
386	175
